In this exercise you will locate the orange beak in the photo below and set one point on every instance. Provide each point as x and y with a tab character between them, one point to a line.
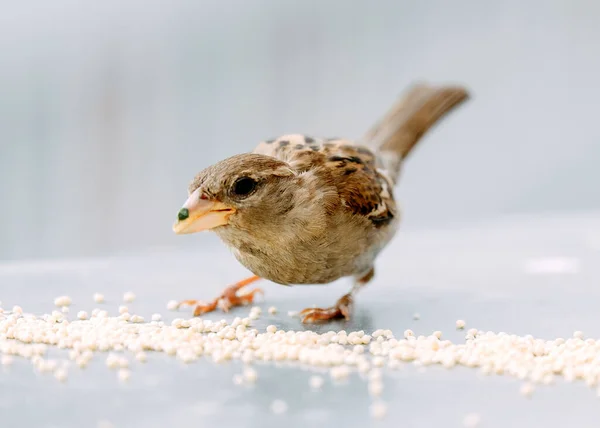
199	214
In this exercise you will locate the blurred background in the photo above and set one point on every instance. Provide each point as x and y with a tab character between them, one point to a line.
109	108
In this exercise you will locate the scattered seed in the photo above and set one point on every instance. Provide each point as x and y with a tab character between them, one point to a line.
272	310
172	305
460	324
99	298
279	407
472	420
339	372
62	301
128	297
527	390
124	375
378	410
375	388
250	375
60	375
316	382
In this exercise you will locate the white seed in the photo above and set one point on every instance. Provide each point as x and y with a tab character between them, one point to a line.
339	372
375	388
250	375
437	334
98	298
156	317
172	305
316	382
123	309
17	310
272	310
340	352
128	297
82	315
460	324
60	374
578	334
378	410
178	322
375	375
62	301
279	407
472	420
293	313
527	390
378	361
124	375
64	309
141	356
112	361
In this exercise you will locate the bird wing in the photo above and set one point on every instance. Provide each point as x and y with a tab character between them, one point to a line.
363	188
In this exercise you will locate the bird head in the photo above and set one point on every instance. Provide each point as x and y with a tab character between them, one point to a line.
236	192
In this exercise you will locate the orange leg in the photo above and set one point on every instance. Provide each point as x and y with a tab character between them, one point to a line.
342	308
228	299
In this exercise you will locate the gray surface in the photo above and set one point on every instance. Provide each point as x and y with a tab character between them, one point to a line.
478	274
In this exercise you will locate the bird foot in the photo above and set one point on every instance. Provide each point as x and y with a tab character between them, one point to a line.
227	300
342	309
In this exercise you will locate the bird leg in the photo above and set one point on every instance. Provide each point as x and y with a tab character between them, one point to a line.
341	309
228	299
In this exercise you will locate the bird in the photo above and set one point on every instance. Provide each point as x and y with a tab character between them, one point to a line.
300	210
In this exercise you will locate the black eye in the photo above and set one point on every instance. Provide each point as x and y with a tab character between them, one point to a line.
244	186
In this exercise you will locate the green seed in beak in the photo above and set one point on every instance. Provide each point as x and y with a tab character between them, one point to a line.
183	214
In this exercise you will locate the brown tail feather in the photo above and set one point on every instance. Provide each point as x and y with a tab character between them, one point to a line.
395	135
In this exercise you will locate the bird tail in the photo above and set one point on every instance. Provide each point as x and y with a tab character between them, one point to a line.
398	132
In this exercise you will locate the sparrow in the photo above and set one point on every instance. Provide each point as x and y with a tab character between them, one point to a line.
305	210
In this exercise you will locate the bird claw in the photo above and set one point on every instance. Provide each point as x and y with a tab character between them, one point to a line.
341	309
227	300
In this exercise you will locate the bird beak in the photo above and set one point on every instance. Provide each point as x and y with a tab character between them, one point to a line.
199	213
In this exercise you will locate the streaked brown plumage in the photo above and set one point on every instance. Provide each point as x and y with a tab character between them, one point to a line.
304	210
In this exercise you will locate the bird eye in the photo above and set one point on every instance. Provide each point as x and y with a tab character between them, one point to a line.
244	186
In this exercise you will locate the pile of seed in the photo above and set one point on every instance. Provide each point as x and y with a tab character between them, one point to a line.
115	338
